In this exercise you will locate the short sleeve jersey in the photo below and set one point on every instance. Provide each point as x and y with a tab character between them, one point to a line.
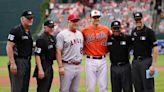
143	41
95	40
45	47
23	41
71	44
119	48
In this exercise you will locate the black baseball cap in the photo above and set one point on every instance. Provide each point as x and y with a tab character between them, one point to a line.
28	14
115	24
49	23
137	16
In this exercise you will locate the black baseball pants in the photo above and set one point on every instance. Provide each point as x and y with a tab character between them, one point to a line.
20	81
121	78
139	67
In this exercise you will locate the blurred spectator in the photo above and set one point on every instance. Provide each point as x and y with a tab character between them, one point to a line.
110	11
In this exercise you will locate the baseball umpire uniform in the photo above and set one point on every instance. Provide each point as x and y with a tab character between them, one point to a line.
19	50
45	50
145	55
119	46
96	68
71	44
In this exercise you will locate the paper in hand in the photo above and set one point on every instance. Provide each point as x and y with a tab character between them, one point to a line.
148	74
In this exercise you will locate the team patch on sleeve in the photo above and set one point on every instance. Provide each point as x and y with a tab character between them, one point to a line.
37	50
11	37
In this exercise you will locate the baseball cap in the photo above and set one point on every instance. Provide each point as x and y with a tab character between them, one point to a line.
28	14
95	13
72	17
115	24
137	15
49	23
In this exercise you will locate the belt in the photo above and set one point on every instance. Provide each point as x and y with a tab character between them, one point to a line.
72	62
139	58
23	57
120	63
96	57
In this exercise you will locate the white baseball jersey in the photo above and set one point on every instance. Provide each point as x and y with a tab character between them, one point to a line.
71	44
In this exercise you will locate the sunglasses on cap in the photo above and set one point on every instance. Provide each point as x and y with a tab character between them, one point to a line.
96	17
75	20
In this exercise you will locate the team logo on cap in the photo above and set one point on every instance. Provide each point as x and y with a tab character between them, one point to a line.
29	12
51	21
137	14
116	23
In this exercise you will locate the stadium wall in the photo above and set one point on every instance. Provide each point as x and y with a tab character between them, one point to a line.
10	12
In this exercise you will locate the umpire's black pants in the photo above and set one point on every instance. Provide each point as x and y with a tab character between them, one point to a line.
139	67
121	78
44	85
20	81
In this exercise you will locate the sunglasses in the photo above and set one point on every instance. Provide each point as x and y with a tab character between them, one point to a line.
29	18
51	26
116	28
96	17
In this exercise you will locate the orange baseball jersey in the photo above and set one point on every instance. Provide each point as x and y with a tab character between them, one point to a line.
95	40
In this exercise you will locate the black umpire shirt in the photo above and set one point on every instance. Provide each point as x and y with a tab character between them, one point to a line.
143	41
45	48
119	48
23	41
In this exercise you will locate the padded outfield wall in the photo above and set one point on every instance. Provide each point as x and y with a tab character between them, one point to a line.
10	12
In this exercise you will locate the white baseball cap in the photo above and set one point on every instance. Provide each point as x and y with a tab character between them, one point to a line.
95	13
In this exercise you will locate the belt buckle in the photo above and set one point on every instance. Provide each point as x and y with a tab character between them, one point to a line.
69	62
119	63
139	58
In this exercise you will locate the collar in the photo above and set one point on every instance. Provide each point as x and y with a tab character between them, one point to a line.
74	30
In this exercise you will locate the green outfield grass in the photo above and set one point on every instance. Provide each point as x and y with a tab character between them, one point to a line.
159	81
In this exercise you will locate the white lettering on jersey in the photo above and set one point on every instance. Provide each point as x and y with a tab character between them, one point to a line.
24	37
109	43
143	38
11	37
38	50
50	46
123	43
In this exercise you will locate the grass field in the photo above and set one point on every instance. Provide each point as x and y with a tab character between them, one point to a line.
5	85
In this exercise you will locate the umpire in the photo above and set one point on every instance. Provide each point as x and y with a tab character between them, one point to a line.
44	56
19	50
145	55
119	46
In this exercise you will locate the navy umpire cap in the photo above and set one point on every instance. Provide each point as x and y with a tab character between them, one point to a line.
115	24
49	23
28	14
137	15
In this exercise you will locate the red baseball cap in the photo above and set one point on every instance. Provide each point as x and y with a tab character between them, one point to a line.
73	17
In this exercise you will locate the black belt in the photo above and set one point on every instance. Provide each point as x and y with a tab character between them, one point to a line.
120	63
72	62
141	57
23	57
96	57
